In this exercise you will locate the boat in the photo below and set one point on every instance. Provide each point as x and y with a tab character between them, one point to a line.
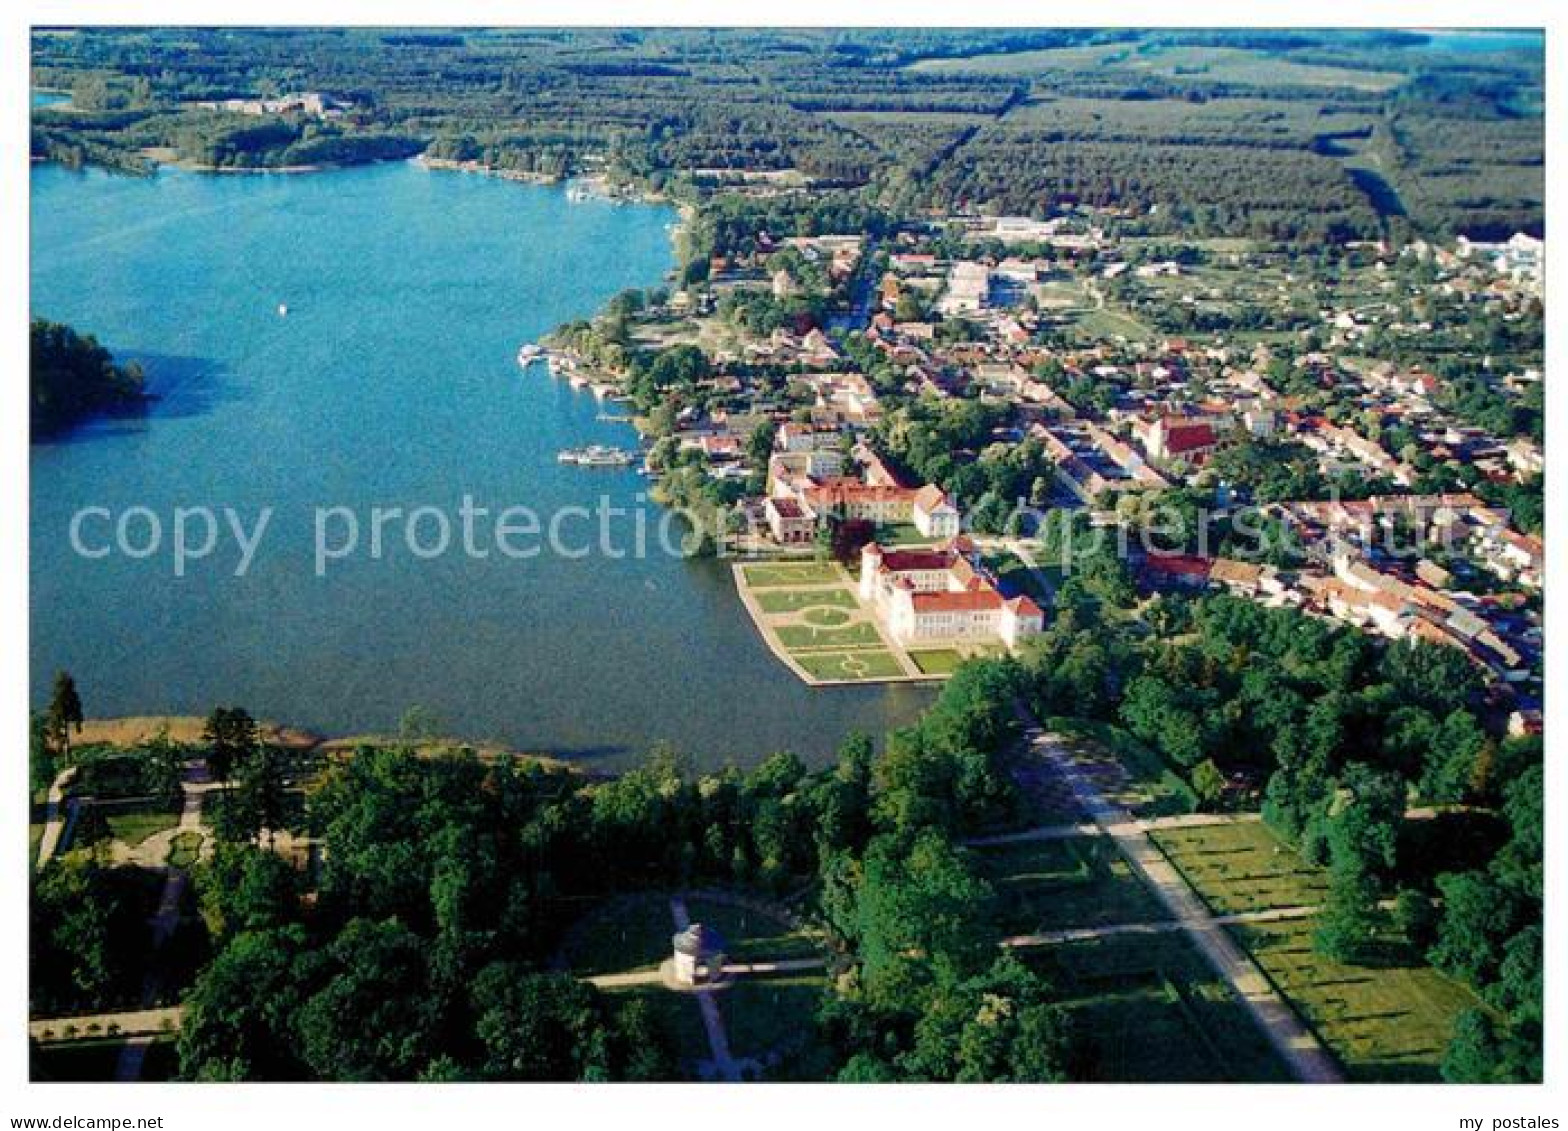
576	194
283	310
529	353
577	380
597	455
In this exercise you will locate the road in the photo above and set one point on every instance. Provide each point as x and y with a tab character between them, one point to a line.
56	811
1308	1060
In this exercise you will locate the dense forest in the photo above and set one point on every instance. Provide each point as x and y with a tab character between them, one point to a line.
1305	136
71	377
425	944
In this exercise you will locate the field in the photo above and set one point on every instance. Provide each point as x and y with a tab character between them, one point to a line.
1388	1023
1219	64
1242	866
1153	1011
1050	885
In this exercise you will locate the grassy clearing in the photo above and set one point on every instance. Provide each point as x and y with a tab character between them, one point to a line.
752	936
134	823
1242	866
1153	1011
781	574
621	935
937	661
849	665
802	636
1389	1023
1051	885
773	1015
794	600
1096	324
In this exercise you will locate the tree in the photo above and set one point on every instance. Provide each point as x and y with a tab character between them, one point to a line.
553	1027
259	799
998	1026
1349	920
245	888
923	918
239	1015
41	762
1208	782
372	1019
1478	915
65	712
231	738
163	766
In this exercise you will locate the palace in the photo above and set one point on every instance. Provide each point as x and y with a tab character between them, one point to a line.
943	595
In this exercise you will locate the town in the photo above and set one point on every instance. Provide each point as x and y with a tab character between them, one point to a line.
1330	438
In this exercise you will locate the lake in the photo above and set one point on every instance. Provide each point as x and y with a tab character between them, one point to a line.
390	382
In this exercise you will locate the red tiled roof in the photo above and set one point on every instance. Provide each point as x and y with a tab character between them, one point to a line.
969	601
1178	565
1188	437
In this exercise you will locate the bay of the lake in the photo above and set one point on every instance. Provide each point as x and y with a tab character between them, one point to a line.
391	382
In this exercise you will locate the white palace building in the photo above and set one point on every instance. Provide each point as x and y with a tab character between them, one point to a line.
943	596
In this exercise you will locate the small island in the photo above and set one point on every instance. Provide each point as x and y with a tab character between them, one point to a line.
73	377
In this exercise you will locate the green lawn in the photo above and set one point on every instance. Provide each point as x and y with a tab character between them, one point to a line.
135	823
1388	1023
779	574
621	935
1050	885
752	937
937	661
849	665
1096	324
678	1016
800	636
1242	867
777	1015
794	600
825	618
903	534
1153	1011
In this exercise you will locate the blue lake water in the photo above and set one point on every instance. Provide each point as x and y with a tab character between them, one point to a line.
390	382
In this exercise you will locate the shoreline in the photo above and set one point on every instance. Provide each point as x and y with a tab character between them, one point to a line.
133	730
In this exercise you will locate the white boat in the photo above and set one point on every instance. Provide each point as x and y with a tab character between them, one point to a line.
597	455
283	310
529	353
